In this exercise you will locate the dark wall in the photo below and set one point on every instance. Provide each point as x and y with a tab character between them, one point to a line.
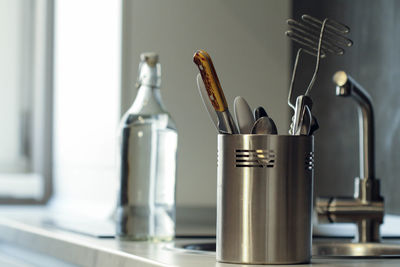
374	61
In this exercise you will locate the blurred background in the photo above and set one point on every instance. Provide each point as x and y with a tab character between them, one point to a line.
69	68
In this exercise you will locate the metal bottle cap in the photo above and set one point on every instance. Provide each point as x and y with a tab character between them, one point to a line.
149	70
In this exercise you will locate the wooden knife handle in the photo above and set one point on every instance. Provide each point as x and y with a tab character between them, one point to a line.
214	90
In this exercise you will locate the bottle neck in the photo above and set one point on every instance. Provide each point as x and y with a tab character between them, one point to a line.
148	101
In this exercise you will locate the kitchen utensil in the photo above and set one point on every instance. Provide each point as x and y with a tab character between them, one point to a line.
264	125
206	101
302	102
317	38
314	125
260	112
305	125
244	116
214	90
307	34
273	126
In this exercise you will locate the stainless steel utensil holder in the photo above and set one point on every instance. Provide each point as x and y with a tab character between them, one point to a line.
265	188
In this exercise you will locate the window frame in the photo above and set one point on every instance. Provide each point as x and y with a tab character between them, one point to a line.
39	73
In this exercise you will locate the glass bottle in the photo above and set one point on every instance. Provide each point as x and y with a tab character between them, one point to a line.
147	167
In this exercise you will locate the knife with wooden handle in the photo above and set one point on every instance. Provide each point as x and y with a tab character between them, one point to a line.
214	90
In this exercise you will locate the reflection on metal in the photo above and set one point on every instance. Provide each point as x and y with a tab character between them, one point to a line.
320	249
372	250
264	213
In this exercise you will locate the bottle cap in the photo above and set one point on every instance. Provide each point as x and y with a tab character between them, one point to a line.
150	58
149	70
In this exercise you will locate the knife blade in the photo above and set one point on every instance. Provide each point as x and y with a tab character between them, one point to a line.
206	101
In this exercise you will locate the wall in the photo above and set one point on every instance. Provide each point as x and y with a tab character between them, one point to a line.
374	61
250	52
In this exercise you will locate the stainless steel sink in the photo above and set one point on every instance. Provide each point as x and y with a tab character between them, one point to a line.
211	247
364	250
200	246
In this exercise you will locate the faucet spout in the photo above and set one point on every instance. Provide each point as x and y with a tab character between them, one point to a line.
346	86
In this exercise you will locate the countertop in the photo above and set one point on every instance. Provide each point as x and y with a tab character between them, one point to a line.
24	228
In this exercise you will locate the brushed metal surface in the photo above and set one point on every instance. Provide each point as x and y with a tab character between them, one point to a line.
321	249
346	249
264	198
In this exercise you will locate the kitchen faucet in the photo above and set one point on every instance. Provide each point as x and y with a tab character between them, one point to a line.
366	207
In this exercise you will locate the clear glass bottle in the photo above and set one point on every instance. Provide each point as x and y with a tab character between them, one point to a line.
148	146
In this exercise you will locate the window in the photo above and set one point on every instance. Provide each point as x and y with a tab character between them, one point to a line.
86	103
25	102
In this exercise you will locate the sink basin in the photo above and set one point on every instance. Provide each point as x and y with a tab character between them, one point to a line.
347	249
200	246
211	247
321	248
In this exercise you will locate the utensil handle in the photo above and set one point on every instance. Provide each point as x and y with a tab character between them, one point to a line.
214	90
